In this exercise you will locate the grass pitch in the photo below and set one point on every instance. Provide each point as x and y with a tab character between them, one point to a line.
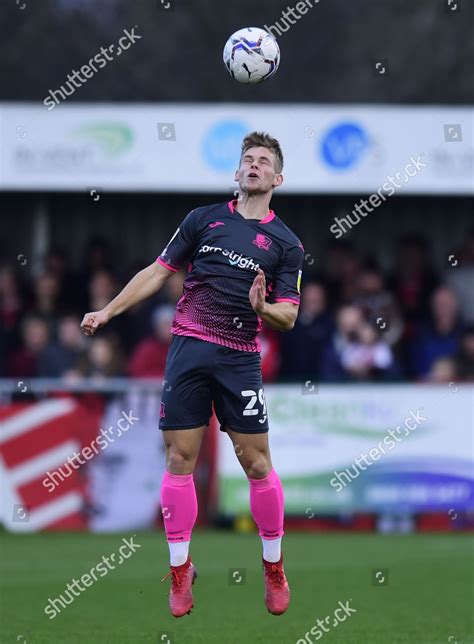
422	594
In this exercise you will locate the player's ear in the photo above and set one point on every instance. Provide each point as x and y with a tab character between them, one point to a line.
278	180
236	175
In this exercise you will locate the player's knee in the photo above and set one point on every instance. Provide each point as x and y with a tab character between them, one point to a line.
258	467
179	462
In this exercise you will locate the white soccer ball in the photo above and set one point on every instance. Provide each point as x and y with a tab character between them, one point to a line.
251	55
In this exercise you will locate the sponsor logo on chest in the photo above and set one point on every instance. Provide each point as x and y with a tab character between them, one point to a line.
234	258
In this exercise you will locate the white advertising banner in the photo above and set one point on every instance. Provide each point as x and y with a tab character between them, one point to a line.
363	448
356	149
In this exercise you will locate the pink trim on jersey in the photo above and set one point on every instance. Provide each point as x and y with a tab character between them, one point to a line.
171	268
270	287
192	333
287	299
267	219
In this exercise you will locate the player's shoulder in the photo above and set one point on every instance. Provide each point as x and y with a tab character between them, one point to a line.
288	237
201	212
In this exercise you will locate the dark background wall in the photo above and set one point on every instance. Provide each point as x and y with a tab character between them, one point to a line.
328	55
139	226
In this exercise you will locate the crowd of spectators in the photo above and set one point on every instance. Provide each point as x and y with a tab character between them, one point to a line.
356	322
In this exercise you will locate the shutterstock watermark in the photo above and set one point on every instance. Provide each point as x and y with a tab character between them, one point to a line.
319	629
412	421
75	80
299	10
57	604
388	189
74	462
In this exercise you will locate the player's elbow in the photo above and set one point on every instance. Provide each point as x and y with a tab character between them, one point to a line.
288	315
292	318
159	274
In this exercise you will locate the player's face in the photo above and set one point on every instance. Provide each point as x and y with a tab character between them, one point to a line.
257	172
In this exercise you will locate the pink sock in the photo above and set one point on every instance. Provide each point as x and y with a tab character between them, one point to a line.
267	505
178	505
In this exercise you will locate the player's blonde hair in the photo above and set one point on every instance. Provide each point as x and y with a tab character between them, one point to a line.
263	140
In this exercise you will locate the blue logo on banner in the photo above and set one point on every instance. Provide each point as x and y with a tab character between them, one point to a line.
344	145
221	145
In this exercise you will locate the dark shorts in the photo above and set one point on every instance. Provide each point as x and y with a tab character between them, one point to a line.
199	373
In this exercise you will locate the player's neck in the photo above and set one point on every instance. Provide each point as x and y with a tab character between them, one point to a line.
253	206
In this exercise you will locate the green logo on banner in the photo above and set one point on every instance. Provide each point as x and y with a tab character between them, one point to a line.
113	138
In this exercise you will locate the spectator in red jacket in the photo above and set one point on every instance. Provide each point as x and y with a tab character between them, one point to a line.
23	361
270	354
149	357
11	300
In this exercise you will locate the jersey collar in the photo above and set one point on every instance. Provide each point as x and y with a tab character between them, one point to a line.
266	220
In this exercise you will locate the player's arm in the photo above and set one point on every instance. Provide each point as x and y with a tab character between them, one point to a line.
144	284
150	279
280	315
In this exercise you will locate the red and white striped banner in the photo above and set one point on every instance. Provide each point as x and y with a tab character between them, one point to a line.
35	438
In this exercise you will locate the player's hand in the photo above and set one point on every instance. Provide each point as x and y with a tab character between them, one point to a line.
257	292
93	321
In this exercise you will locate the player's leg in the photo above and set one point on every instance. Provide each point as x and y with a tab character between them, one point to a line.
266	491
186	406
178	493
241	408
267	508
182	449
179	508
185	409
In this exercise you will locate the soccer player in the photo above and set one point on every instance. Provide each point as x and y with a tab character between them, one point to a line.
244	268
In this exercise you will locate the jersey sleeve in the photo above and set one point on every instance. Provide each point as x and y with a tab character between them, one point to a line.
288	278
182	244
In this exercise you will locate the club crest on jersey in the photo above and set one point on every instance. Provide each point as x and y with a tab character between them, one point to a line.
262	241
